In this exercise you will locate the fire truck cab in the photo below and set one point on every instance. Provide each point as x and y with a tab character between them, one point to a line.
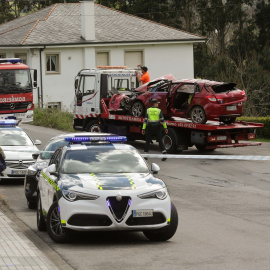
16	90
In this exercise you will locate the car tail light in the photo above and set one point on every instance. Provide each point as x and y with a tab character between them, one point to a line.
211	98
216	138
251	136
243	93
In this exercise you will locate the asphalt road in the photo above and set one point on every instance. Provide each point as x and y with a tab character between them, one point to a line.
224	218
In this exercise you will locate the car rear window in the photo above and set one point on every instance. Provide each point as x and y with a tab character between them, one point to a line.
221	88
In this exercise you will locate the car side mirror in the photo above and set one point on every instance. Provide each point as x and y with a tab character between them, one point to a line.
76	84
52	170
35	155
37	142
155	168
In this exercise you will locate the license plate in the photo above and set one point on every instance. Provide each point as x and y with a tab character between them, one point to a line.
142	213
231	108
221	138
17	172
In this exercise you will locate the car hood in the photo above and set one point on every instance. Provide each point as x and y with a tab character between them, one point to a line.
119	181
19	152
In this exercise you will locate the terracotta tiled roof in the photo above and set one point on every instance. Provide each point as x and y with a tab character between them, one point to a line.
61	24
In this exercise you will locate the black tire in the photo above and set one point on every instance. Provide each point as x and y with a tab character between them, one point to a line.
41	224
167	232
94	126
54	226
197	115
227	120
170	141
138	109
202	148
32	205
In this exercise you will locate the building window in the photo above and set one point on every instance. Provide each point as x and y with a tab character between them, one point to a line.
54	105
22	56
102	59
2	55
52	63
133	58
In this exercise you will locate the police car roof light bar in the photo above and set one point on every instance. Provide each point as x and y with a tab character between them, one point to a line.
9	123
10	60
97	139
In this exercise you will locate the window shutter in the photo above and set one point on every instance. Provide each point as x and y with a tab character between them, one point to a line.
133	59
102	59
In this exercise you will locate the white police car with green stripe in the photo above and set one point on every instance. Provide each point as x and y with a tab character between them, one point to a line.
97	184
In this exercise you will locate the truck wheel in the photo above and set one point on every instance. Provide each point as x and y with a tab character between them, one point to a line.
197	115
167	232
54	225
227	120
202	148
138	109
41	224
94	126
170	141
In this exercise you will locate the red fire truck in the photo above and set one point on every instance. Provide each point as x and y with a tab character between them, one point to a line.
94	89
16	90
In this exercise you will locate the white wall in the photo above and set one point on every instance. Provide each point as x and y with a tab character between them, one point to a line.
176	59
59	87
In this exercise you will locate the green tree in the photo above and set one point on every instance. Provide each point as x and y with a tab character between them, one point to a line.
5	12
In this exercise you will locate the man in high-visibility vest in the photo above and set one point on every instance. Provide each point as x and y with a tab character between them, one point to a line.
152	126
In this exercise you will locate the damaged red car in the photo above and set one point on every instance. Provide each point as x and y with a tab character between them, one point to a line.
194	99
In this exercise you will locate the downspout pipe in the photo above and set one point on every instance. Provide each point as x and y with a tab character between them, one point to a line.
41	79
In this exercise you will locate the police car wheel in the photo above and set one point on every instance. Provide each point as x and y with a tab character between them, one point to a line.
31	205
41	224
54	226
167	232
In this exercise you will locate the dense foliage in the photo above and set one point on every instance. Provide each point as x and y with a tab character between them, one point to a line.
237	37
53	118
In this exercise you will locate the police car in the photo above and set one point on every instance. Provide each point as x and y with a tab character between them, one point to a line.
98	184
18	148
42	159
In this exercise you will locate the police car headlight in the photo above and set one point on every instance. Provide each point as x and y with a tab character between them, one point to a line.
31	171
160	194
75	196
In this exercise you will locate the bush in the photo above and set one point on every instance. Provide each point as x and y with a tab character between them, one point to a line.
53	118
261	132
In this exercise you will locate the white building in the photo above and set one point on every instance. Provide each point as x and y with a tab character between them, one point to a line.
62	39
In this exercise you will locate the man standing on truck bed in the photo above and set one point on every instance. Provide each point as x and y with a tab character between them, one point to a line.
152	126
144	78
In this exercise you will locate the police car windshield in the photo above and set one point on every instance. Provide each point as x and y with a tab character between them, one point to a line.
51	147
103	161
13	137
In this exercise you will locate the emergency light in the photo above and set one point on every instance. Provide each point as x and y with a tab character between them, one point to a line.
10	60
97	139
9	122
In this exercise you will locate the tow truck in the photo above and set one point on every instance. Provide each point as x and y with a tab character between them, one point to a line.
94	89
16	90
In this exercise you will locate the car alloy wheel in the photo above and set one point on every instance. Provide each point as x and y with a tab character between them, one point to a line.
54	226
197	115
137	109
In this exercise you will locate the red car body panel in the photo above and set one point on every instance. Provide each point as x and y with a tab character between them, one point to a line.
178	97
